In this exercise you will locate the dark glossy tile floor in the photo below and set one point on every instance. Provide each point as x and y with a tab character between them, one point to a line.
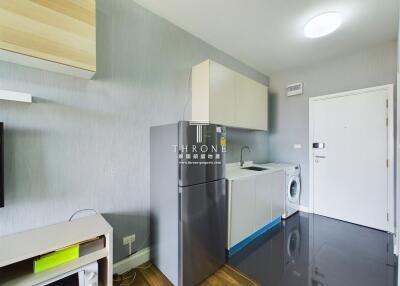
311	250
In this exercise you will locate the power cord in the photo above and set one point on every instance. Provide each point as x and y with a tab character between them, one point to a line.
79	211
127	276
132	278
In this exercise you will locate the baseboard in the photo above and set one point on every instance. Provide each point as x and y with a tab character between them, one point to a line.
252	237
132	261
304	209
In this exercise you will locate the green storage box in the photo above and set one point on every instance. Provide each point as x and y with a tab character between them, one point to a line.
56	258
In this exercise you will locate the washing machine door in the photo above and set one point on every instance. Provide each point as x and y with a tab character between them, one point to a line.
293	191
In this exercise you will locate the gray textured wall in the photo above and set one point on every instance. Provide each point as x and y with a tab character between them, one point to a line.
289	115
85	144
256	140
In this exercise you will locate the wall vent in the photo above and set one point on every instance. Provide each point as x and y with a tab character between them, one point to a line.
295	89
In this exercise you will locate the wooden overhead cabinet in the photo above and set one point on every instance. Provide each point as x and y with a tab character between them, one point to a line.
223	96
55	35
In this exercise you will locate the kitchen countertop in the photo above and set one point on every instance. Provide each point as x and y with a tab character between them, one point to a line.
234	171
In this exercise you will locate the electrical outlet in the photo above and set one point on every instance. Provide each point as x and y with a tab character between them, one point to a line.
129	239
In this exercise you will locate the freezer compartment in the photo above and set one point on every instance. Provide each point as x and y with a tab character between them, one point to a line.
202	231
201	152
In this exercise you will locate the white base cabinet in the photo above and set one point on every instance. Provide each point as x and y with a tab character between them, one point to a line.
277	185
223	96
262	201
254	202
242	209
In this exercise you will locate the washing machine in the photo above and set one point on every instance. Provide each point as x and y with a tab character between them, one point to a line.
292	186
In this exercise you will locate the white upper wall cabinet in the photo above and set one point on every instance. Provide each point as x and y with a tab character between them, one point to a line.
223	96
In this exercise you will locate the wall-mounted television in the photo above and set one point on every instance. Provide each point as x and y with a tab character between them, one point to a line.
1	165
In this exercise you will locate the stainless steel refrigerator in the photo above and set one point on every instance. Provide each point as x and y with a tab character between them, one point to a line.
187	200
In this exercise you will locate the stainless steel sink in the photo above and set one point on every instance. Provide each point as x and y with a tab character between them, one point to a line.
254	168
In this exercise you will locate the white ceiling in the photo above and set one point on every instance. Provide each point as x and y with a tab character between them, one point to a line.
268	34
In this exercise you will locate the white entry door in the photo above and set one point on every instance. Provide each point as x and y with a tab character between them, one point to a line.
350	165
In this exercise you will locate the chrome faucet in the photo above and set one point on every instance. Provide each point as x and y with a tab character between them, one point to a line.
241	154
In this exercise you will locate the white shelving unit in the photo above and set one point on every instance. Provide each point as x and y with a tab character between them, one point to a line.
18	251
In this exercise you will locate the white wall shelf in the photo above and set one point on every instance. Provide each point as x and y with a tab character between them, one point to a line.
15	96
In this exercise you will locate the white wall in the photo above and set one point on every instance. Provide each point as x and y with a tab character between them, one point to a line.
289	115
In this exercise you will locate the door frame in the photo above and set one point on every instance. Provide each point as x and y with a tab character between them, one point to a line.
391	191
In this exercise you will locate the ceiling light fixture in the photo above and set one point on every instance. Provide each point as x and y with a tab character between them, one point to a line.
322	25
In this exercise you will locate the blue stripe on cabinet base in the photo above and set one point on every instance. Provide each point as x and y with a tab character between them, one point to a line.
249	239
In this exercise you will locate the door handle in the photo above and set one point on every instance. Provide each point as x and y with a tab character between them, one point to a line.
320	157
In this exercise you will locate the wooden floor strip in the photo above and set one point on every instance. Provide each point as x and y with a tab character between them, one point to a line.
149	275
